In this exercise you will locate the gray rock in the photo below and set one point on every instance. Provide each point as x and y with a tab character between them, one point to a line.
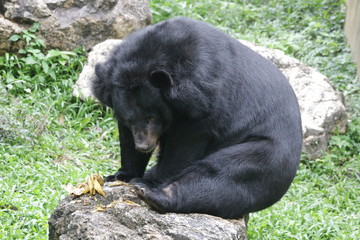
7	29
128	217
66	24
82	87
322	107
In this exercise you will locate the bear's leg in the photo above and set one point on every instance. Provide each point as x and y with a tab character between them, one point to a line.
229	183
133	162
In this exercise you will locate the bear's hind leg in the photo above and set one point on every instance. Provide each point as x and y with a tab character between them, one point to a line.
229	183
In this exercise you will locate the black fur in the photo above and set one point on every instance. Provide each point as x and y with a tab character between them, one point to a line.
226	120
2	7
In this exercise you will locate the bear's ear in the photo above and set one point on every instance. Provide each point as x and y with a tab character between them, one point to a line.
161	79
101	86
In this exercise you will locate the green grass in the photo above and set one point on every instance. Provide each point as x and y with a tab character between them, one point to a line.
49	138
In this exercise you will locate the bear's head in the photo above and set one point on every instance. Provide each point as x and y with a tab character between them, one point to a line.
135	96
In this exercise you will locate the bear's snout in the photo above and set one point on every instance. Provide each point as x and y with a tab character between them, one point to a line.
145	141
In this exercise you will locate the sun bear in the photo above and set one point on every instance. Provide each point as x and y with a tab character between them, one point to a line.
225	120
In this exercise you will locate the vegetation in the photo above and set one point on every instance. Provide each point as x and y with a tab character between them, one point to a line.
48	138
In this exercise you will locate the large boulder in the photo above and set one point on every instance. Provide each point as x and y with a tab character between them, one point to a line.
122	215
99	53
66	24
7	29
322	107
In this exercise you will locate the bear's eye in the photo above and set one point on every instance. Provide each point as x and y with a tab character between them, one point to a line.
151	119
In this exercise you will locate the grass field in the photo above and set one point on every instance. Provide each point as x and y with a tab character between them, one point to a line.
49	138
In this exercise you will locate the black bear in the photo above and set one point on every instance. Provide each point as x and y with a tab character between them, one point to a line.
226	120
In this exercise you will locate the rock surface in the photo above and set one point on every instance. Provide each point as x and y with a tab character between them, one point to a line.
322	108
82	88
7	29
127	217
66	24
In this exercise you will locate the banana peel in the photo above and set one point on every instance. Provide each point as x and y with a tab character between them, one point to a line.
93	185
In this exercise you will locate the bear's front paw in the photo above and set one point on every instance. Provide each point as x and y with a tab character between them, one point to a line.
119	176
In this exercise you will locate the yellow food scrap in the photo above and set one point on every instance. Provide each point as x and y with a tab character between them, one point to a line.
114	203
118	183
93	185
74	191
131	203
98	188
99	209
